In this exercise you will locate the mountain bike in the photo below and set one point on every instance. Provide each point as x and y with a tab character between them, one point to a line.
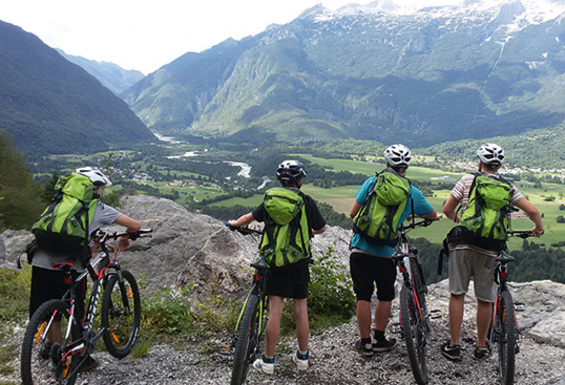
414	315
252	319
56	343
503	330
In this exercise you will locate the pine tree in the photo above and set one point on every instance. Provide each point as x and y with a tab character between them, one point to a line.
20	197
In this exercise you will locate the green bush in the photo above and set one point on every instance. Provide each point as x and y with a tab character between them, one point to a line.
166	312
331	300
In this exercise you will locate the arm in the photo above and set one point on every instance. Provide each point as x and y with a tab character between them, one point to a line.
354	209
431	216
131	226
242	220
533	214
450	207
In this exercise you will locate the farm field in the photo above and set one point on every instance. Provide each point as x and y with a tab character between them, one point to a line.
341	198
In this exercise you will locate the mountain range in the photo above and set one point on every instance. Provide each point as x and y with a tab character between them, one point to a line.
378	72
112	76
51	106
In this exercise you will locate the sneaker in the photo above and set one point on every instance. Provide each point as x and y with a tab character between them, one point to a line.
481	352
265	364
88	364
366	349
451	352
301	360
384	345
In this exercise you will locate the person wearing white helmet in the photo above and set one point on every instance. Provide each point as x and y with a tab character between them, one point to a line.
370	261
289	281
47	281
475	261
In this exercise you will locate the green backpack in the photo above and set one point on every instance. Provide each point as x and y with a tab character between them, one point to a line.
64	225
286	238
379	217
486	215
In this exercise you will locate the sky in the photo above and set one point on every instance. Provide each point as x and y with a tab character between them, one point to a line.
146	34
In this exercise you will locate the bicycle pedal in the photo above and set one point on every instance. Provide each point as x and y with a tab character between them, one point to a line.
519	306
435	314
396	328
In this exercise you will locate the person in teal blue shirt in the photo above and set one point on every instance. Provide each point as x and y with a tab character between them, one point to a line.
370	262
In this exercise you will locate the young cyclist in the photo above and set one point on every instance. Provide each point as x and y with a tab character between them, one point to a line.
471	260
47	281
290	281
370	261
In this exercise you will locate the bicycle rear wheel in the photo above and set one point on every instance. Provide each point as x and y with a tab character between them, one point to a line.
507	339
121	314
247	339
43	359
414	335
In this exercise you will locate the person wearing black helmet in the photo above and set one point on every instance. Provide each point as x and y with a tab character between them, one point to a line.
47	281
288	281
475	257
370	261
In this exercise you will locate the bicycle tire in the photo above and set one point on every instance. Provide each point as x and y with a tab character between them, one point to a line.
414	335
121	314
41	364
246	341
506	339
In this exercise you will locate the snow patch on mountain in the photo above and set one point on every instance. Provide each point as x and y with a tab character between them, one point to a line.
514	13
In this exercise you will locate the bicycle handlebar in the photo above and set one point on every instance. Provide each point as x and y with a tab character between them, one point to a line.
422	223
244	230
141	233
522	234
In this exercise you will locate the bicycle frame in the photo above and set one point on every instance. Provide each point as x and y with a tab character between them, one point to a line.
88	339
407	260
257	289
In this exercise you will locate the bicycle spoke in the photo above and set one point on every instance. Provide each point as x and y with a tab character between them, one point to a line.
44	359
121	314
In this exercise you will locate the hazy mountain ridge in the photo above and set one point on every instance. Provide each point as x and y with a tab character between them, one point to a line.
51	106
438	74
111	75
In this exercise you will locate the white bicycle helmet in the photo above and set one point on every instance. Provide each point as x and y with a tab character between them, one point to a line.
491	154
398	155
291	170
95	175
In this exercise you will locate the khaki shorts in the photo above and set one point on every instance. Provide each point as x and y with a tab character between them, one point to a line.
466	263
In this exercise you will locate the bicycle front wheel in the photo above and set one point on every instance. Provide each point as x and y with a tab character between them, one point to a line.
121	314
44	359
507	339
414	335
247	339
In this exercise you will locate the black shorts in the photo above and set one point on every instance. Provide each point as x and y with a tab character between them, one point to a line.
368	271
48	284
289	283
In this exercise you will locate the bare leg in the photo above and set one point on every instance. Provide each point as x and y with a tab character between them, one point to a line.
484	313
456	308
302	324
274	324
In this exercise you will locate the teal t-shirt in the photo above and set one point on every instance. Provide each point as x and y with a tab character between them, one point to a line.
421	208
